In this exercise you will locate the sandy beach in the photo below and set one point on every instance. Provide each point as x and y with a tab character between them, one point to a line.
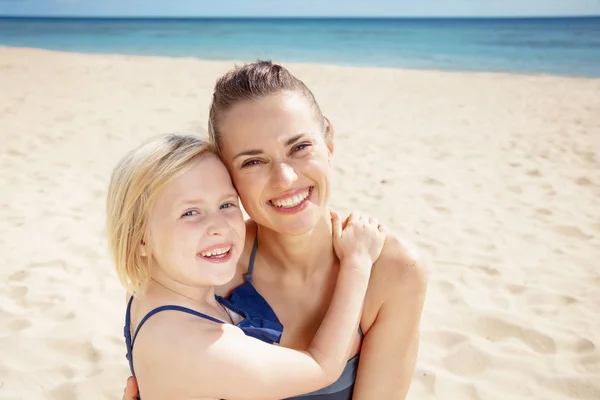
496	177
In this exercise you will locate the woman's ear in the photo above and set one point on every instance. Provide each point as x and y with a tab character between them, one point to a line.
330	152
329	137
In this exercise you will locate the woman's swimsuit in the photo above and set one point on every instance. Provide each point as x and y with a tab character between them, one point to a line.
258	321
246	297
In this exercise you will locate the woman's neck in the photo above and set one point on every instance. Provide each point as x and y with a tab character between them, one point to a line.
300	256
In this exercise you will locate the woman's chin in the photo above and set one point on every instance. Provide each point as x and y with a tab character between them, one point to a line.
296	223
302	225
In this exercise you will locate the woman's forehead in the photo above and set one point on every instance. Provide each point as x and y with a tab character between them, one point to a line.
290	104
273	117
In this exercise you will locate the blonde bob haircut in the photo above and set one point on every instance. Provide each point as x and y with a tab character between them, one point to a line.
136	182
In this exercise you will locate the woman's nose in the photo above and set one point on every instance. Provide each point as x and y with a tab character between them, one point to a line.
284	175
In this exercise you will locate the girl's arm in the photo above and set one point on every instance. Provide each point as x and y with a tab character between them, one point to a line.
187	355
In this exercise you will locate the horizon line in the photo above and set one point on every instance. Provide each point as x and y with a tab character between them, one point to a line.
303	16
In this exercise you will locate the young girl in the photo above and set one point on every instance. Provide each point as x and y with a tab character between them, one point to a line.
175	231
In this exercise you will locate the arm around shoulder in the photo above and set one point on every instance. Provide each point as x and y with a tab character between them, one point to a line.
195	359
178	355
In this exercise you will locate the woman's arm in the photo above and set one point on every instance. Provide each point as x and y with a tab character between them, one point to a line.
393	309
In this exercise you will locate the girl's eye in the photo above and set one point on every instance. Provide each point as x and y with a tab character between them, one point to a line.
227	205
190	213
250	163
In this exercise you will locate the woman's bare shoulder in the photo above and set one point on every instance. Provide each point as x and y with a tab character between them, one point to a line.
402	262
400	273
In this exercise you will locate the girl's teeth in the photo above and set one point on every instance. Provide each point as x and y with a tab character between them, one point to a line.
215	252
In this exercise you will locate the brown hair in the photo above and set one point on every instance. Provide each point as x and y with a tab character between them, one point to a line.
252	82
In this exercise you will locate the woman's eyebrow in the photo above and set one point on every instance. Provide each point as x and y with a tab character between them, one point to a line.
294	139
255	152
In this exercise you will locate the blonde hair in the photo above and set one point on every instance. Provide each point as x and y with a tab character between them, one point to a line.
135	184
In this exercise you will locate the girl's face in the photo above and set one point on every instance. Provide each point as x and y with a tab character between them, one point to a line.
196	227
276	153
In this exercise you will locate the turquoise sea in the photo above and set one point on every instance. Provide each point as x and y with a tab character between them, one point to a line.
562	46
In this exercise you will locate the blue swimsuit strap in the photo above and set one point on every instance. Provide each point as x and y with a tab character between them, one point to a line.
131	341
163	308
248	275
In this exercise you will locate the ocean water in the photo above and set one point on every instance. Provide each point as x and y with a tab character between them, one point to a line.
561	46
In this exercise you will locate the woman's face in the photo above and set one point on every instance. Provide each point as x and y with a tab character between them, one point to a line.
276	153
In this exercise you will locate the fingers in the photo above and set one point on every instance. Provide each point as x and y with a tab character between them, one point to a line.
131	389
361	220
336	223
345	222
357	219
352	219
374	222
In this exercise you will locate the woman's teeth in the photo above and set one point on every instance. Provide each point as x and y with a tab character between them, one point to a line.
220	252
291	201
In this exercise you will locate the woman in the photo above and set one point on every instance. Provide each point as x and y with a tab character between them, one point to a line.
277	146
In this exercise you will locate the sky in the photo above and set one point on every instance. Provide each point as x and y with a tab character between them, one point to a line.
277	8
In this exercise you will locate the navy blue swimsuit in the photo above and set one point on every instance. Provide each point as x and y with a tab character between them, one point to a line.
259	321
246	297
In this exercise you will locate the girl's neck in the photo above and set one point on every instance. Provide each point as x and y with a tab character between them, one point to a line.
199	298
189	294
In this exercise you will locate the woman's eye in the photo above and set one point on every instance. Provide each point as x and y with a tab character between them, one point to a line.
250	163
190	213
301	147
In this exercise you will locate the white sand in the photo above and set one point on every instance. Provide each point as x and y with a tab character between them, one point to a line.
495	176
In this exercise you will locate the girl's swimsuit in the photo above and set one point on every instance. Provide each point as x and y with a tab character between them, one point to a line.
258	321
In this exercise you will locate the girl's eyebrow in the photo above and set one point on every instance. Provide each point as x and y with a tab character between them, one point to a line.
197	200
188	201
